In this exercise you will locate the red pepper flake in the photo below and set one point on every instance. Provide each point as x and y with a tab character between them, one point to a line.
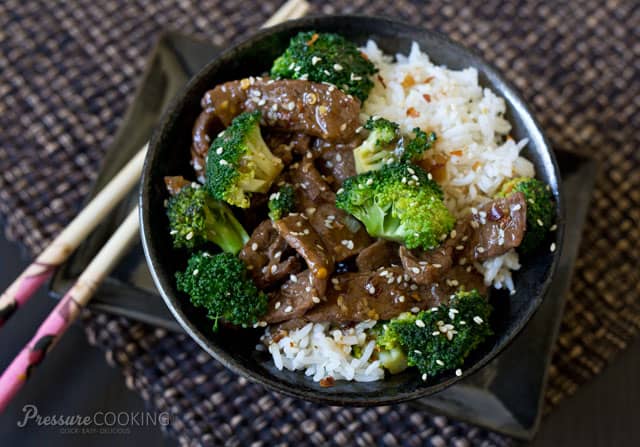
364	56
427	97
457	153
382	81
327	382
477	165
429	79
313	39
408	81
413	113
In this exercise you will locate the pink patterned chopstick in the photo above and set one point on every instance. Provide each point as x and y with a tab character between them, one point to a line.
67	310
68	240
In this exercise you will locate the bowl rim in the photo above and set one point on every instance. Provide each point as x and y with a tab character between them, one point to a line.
509	93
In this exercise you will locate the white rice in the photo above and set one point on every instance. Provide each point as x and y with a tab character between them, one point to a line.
322	352
472	133
473	138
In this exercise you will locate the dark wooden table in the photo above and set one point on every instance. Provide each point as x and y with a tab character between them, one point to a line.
75	379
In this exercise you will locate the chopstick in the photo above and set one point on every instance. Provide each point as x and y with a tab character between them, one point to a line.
67	309
39	271
58	251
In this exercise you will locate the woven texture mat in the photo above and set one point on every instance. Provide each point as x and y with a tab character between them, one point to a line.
68	72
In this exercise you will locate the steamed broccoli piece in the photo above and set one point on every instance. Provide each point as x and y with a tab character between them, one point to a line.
400	203
379	147
540	209
240	163
385	146
326	57
281	202
432	340
415	147
196	218
221	285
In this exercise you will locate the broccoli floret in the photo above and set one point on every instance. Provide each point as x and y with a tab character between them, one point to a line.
398	202
326	57
439	339
196	218
221	285
281	202
379	147
384	146
415	147
540	209
240	163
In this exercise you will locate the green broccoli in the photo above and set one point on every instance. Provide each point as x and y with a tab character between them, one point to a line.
240	163
439	339
378	149
414	148
398	202
540	209
221	284
384	146
281	202
325	57
196	218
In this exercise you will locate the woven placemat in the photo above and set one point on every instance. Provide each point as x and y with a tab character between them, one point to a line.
68	71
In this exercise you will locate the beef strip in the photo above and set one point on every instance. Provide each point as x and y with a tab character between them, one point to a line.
310	188
426	267
379	254
285	145
204	130
295	229
497	227
175	183
354	297
267	256
292	300
293	105
336	159
340	232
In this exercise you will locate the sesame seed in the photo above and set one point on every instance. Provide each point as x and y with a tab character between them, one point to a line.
415	269
293	278
307	289
337	67
458	372
288	309
291	105
437	265
539	222
278	254
454	233
554	227
370	181
440	362
189	236
223	162
219	151
478	320
553	247
274	268
315	60
420	323
277	305
347	243
480	249
315	299
343	127
415	310
401	298
459	247
335	281
195	272
424	377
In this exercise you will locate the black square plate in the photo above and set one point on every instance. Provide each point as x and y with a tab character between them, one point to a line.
505	396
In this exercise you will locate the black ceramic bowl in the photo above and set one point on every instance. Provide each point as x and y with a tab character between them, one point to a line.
169	155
